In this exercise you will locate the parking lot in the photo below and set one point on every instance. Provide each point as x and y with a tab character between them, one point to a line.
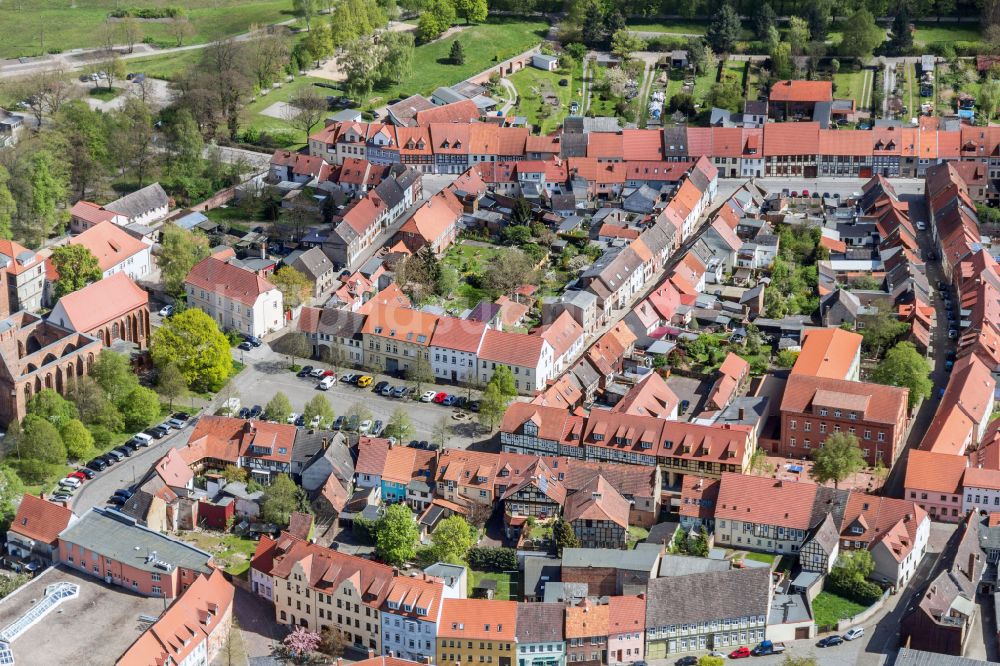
267	373
96	627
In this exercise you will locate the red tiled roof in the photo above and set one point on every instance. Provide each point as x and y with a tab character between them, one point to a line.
827	352
802	91
515	349
109	243
101	302
461	112
598	500
759	499
402	324
478	619
40	519
627	614
91	212
791	139
459	334
233	282
562	334
876	403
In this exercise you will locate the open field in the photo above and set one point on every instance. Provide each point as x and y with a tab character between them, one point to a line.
167	66
32	28
231	552
504	588
935	33
852	85
485	45
532	86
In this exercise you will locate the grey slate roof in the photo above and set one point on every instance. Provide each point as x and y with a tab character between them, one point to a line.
825	534
539	622
704	597
642	558
116	536
340	323
565	592
538	568
309	443
684	565
140	202
313	263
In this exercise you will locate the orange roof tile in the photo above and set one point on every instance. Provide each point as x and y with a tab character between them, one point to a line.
801	91
109	243
233	282
40	519
402	324
760	499
100	302
586	620
478	619
828	352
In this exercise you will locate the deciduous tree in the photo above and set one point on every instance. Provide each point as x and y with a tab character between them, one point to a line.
861	35
400	425
77	439
278	408
281	498
140	407
837	458
319	406
420	372
473	11
180	29
192	341
293	285
170	383
492	406
179	251
396	535
452	539
905	366
52	407
76	266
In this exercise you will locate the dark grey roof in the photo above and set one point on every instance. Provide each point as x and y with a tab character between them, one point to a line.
115	536
313	263
140	202
821	113
563	202
685	565
137	505
755	107
448	95
675	142
788	609
540	622
538	571
662	533
565	592
908	657
484	312
340	323
309	443
608	124
390	192
704	597
643	200
829	501
844	297
642	558
573	145
238	489
825	533
585	374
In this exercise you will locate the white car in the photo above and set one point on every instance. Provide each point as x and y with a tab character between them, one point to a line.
365	426
428	396
166	310
70	482
318	372
292	417
921	225
853	633
315	422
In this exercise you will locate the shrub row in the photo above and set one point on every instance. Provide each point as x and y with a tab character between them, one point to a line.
492	559
148	12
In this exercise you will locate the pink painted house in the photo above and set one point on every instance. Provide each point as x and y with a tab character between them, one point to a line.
626	634
934	481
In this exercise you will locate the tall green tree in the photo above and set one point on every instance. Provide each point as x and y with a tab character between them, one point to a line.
763	20
40	443
452	539
40	184
278	408
77	267
52	407
861	35
7	205
457	54
179	251
77	439
399	425
904	366
293	285
593	25
902	36
83	137
504	380
473	11
193	342
281	499
140	407
492	406
11	491
837	458
171	383
306	9
818	16
319	406
397	60
564	536
396	535
113	373
724	31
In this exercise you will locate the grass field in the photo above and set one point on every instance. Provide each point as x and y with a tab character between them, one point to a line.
504	591
485	45
829	608
167	66
74	24
702	84
931	34
911	89
102	93
232	552
679	27
851	84
532	85
283	94
767	558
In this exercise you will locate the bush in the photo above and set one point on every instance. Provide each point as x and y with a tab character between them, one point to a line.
147	12
856	589
364	530
662	44
492	559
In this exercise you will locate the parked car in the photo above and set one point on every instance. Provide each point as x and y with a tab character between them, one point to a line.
314	422
689	660
330	373
176	423
352	423
71	482
428	396
326	383
952	333
301	421
245	346
386	390
921	225
948	365
316	372
830	641
474	405
439	397
114	457
127	452
142	439
460	401
167	310
77	474
685	404
61	495
293	417
740	653
338	423
854	633
377	428
365	381
253	340
256	411
365	427
97	464
379	387
123	492
156	433
349	378
449	401
305	371
399	391
768	647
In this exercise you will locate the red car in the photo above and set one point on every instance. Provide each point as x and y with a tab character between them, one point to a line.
740	652
78	475
330	373
439	398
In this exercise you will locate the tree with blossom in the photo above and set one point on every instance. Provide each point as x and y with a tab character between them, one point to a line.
301	642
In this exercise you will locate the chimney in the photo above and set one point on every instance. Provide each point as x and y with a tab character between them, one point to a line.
742	413
326	443
395	572
371	653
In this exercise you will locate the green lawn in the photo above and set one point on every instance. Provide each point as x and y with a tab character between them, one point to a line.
911	89
829	608
262	123
852	85
702	84
503	583
232	552
936	33
167	66
767	558
485	45
470	258
676	27
532	86
636	535
64	24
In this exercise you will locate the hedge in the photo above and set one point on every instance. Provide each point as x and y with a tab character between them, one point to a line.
492	559
856	589
148	12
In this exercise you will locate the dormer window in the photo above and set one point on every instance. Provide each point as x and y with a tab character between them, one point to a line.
407	607
394	605
480	479
668	444
857	529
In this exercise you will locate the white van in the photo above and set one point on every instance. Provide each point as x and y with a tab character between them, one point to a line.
142	439
326	383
